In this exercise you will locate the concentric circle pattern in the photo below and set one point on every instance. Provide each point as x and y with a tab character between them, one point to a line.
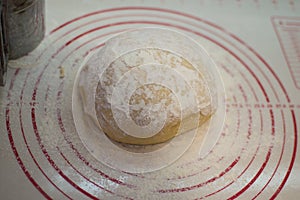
259	122
142	88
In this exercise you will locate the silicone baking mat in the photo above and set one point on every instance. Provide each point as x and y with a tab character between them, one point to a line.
255	45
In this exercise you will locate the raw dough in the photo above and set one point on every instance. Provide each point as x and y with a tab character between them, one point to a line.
145	96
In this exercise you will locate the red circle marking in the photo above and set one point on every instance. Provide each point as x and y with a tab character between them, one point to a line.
216	177
25	140
292	112
93	182
12	143
281	154
179	27
61	125
59	171
209	167
92	31
262	166
252	159
197	19
98	29
52	163
87	32
289	170
48	156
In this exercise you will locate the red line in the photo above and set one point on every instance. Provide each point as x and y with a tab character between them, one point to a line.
179	27
196	173
102	19
12	143
292	160
41	144
204	183
98	46
261	168
211	40
238	121
290	29
233	142
251	72
182	14
249	125
136	8
81	35
92	30
62	128
93	49
46	154
264	62
106	26
188	16
216	42
293	23
98	28
91	22
226	69
77	171
69	142
272	122
280	158
213	179
242	42
235	56
26	143
35	92
252	50
231	181
111	17
243	75
243	92
250	85
254	178
59	171
249	111
48	157
20	162
249	164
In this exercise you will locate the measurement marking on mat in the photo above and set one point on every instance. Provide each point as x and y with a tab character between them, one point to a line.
288	32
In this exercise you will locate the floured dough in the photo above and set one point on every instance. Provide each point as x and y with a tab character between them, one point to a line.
145	96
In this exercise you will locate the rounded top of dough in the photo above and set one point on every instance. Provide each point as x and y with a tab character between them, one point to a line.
148	85
145	87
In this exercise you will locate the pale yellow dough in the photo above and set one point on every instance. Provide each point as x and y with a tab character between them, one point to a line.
180	117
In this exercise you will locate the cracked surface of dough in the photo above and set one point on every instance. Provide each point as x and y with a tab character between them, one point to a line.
153	102
146	87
